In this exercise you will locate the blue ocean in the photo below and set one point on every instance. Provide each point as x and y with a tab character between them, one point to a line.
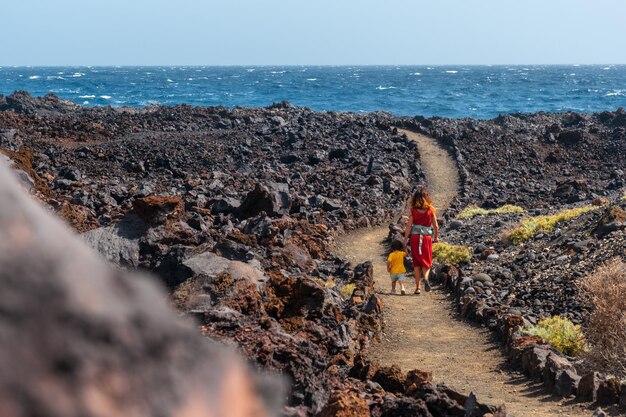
453	91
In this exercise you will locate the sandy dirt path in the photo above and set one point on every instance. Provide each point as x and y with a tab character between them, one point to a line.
422	331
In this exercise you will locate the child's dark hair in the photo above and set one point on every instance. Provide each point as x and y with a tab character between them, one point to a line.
397	245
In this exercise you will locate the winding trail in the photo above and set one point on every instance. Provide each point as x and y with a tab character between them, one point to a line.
423	332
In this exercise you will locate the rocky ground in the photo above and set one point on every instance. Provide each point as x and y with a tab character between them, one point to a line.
536	160
235	211
544	163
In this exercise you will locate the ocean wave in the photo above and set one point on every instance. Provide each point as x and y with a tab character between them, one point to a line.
616	93
380	87
451	72
277	72
416	73
87	96
77	74
251	69
311	79
105	97
34	77
169	81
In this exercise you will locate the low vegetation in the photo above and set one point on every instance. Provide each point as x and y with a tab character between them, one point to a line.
545	224
347	290
606	331
445	253
561	334
473	211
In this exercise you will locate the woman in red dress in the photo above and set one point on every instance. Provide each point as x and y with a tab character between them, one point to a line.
423	229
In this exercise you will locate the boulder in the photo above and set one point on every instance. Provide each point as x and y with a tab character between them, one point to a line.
534	360
273	199
158	209
415	381
588	386
608	392
118	243
213	266
345	404
613	218
571	137
81	339
390	378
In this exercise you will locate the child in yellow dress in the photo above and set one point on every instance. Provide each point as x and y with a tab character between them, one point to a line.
395	266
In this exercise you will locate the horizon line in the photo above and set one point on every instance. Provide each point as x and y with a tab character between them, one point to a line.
299	65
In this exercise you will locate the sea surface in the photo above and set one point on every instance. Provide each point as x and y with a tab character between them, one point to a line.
453	91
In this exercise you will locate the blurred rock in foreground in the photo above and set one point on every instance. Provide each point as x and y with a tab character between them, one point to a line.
79	339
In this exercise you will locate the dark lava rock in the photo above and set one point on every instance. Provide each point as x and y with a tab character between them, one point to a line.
273	199
81	339
158	209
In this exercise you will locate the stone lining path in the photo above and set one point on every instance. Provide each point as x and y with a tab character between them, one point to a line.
423	331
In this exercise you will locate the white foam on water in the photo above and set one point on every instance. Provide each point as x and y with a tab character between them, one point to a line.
77	74
311	79
34	77
235	76
85	102
606	68
573	73
277	72
615	93
451	72
189	79
416	73
87	96
60	73
380	87
251	69
169	81
105	97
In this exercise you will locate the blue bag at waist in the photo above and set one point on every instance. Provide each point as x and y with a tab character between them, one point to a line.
416	229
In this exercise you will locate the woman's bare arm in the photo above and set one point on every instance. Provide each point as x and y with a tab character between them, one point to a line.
407	232
436	228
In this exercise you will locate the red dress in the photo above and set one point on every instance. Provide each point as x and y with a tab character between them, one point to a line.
425	259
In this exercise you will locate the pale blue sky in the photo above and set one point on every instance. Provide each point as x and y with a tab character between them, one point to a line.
323	32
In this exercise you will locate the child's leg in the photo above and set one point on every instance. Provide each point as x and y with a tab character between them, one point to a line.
393	284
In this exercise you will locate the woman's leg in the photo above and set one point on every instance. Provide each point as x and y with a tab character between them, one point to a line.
426	273
417	273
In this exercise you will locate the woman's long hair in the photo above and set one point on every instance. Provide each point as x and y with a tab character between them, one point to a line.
421	199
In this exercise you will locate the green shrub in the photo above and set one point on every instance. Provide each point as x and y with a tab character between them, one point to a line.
560	333
444	253
529	227
473	211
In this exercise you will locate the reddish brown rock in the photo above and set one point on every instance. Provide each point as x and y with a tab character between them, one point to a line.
345	404
158	209
390	378
415	381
